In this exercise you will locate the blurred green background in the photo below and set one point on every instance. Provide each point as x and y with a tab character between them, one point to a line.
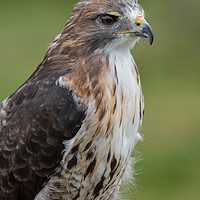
170	70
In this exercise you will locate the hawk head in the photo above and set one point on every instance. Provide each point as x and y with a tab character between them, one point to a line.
101	25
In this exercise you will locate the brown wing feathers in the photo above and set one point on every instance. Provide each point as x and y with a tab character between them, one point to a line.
39	117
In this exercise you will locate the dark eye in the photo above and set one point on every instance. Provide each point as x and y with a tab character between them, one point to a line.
108	19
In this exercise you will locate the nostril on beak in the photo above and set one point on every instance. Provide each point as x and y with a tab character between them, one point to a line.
139	20
138	24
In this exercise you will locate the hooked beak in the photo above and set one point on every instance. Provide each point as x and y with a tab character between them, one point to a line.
143	29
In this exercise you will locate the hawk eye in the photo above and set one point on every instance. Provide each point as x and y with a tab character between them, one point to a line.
108	19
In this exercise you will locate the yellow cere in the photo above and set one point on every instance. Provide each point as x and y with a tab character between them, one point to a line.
139	20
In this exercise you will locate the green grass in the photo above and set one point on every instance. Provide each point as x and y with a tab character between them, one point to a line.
169	71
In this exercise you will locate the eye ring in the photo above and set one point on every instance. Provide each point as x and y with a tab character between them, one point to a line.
108	19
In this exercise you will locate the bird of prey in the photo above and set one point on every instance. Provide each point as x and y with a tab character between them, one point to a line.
69	130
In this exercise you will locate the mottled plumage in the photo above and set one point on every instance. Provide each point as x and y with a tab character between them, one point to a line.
69	130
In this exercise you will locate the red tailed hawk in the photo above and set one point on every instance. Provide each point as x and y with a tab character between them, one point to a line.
69	130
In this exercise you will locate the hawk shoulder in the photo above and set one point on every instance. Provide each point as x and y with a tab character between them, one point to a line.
34	122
